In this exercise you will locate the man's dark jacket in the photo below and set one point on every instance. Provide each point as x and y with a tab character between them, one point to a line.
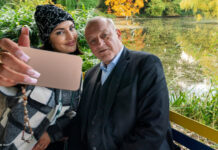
136	116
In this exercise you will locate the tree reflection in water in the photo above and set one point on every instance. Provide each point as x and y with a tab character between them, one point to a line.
188	49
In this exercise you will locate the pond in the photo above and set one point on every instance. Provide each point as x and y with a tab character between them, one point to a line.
188	49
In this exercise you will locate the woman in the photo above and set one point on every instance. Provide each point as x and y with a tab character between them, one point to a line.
45	105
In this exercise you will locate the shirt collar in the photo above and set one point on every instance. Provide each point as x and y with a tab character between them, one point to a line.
113	63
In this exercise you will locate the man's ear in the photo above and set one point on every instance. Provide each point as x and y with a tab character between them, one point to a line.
119	34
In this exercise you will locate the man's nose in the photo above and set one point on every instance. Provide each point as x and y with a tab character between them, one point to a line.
100	42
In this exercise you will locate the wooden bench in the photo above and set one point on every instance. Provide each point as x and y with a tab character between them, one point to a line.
194	126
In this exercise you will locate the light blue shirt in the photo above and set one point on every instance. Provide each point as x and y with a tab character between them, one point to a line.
106	70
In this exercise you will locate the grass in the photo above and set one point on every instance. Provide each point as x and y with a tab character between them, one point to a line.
202	108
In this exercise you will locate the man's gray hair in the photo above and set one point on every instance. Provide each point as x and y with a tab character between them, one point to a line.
98	18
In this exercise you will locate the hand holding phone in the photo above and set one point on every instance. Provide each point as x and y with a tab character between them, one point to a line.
58	70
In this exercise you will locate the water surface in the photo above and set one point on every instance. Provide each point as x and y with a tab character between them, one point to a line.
188	49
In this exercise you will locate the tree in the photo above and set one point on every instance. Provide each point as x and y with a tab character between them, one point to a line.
124	7
69	4
207	8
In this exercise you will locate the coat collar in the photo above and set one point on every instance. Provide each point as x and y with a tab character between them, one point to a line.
115	82
119	68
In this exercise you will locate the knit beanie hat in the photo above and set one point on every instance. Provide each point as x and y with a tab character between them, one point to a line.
47	17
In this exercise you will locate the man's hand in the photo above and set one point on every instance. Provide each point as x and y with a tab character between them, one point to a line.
13	67
43	142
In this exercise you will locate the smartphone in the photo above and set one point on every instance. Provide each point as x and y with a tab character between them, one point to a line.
58	70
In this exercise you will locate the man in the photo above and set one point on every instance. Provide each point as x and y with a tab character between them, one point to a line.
125	104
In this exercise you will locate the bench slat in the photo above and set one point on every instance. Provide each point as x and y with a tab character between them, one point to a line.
189	142
194	126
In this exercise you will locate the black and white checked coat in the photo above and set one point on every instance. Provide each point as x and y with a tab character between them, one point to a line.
43	105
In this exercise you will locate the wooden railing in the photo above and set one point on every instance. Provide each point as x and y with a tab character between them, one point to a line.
194	126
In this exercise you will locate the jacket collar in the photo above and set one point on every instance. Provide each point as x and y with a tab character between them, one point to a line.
115	82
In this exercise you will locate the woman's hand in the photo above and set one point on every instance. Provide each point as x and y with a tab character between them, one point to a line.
43	142
13	67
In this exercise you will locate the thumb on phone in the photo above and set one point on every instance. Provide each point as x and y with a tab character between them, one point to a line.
24	39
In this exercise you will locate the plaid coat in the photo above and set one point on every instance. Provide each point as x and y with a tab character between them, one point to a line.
49	109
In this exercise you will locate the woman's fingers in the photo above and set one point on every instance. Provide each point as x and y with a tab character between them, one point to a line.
17	65
43	142
6	82
14	76
24	39
10	46
13	70
12	66
39	146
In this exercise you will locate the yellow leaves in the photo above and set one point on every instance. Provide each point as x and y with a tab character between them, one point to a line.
197	29
131	36
107	2
214	6
124	7
198	17
51	2
185	4
209	8
140	3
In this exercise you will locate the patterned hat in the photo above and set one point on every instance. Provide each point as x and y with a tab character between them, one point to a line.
47	17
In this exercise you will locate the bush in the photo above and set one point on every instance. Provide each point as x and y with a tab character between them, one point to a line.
70	4
2	2
164	8
173	9
12	20
155	8
87	4
13	17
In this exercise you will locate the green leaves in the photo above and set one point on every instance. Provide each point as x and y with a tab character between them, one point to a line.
13	18
15	15
203	108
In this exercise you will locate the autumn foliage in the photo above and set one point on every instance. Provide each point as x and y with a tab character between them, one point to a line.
52	3
124	7
208	8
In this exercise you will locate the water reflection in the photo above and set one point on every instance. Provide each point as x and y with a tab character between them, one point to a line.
199	88
188	49
187	58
